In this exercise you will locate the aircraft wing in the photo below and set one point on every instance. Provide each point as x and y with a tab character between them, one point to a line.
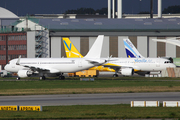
37	68
170	41
112	65
117	67
96	62
100	61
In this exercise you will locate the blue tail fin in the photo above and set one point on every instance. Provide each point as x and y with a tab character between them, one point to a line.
131	51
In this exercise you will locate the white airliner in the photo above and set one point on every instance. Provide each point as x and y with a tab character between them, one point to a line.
26	67
137	63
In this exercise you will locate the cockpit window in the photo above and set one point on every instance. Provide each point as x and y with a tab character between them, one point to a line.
167	62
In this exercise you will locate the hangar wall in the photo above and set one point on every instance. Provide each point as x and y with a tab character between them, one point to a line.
113	45
55	47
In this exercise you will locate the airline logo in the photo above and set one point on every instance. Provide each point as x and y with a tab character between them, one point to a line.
129	50
142	60
69	47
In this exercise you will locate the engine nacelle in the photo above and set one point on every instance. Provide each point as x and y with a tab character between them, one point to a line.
24	73
127	71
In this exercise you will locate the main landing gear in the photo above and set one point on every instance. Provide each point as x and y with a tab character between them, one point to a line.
42	77
61	77
115	75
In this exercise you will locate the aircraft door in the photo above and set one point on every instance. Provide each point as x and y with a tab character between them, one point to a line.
13	65
157	63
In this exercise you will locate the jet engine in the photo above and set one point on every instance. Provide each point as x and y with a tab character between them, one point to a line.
127	71
24	73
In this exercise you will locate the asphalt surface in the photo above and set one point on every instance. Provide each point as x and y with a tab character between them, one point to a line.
88	99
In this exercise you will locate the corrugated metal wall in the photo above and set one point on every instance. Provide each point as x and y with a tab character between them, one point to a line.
113	45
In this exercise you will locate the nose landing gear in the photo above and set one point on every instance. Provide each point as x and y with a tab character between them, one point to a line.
61	77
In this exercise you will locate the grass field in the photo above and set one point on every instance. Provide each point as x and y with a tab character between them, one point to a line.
100	85
122	111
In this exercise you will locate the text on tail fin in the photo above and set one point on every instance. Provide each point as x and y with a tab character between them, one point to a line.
131	50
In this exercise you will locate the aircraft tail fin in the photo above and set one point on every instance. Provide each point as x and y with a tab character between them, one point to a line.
131	51
70	49
95	51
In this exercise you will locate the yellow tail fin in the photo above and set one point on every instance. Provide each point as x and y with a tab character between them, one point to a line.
70	49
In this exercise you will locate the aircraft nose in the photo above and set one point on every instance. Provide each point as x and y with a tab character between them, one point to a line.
6	67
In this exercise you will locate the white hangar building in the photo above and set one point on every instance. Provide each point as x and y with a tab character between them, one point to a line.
47	34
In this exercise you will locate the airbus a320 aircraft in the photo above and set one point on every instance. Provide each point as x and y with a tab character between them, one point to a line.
127	66
25	67
139	64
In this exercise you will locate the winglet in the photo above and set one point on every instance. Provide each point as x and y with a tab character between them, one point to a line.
131	51
70	49
95	51
17	63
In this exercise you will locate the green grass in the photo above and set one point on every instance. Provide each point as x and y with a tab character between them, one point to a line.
98	83
32	86
122	111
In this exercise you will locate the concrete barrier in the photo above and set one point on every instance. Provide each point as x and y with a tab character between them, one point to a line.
164	73
144	103
177	72
171	103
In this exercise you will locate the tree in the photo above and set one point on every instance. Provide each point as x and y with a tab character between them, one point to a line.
172	9
145	12
87	11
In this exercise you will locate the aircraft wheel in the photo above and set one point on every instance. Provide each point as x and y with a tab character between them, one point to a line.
115	75
42	78
61	77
